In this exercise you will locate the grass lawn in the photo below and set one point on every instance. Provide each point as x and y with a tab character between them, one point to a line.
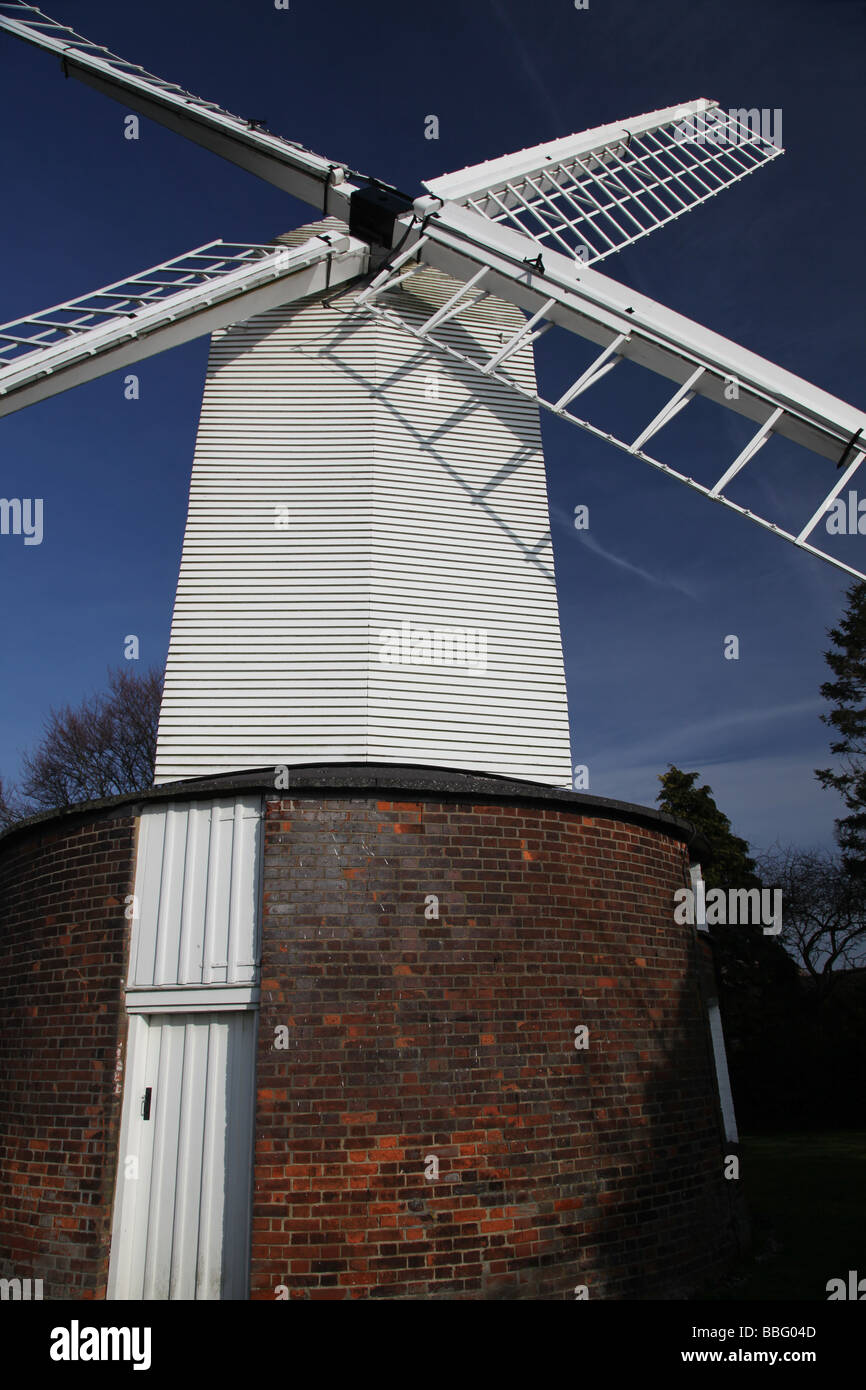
805	1194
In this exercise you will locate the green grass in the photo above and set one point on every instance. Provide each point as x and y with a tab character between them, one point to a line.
805	1195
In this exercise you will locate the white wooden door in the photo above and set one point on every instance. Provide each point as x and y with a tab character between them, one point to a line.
185	1175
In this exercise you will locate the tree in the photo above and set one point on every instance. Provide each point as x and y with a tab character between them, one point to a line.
730	865
824	912
847	693
794	1036
11	807
824	927
105	747
748	961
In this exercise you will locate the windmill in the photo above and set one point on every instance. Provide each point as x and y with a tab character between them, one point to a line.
366	572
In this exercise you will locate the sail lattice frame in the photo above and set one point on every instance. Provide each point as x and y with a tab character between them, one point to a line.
697	374
590	195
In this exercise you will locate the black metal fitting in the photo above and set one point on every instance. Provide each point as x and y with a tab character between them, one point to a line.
373	211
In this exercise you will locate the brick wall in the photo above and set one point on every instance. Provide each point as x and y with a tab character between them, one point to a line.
410	1036
62	954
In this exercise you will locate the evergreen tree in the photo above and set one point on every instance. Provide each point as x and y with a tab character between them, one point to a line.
731	865
847	693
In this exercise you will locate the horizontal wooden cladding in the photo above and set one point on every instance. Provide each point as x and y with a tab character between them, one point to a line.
533	767
347	483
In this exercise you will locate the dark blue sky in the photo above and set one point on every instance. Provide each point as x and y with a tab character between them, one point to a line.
648	595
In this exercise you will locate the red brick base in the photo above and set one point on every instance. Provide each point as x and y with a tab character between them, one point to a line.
411	1037
429	1129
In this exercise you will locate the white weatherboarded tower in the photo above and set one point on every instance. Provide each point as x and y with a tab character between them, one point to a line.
367	572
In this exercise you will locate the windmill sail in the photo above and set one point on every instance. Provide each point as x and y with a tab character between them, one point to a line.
553	291
589	195
285	164
168	304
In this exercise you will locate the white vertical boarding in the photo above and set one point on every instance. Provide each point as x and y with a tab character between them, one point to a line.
182	1227
184	1179
197	891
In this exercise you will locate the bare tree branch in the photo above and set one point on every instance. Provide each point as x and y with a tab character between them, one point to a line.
103	748
823	910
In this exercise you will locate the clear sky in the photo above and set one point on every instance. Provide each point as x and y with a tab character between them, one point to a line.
647	594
